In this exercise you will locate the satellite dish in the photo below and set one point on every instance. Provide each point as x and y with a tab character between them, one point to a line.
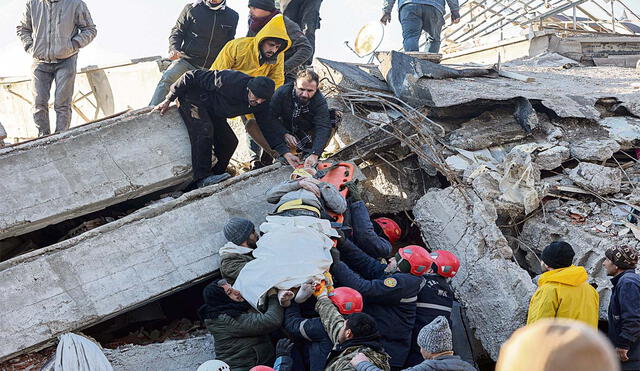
369	38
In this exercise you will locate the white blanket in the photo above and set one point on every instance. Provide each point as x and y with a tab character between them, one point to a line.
291	251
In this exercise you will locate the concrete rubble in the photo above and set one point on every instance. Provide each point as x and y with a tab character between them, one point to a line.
490	168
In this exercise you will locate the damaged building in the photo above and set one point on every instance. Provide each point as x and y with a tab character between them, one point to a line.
491	162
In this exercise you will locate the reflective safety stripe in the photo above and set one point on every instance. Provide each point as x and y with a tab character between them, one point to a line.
302	332
297	204
433	306
409	300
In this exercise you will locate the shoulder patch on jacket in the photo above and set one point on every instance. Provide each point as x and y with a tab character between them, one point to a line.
390	282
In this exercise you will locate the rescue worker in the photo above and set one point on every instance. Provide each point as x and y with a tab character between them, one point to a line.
260	13
242	238
390	291
207	99
311	332
305	195
200	32
241	334
375	237
624	307
436	348
434	300
357	333
306	13
563	290
300	111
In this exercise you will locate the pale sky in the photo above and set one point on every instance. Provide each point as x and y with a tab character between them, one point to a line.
129	29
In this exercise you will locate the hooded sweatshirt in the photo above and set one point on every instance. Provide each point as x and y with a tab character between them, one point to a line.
565	293
244	54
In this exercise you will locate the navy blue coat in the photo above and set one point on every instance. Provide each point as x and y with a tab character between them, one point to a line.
434	299
389	298
624	316
364	235
311	331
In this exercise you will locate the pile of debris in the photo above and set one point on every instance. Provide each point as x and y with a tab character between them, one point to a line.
491	162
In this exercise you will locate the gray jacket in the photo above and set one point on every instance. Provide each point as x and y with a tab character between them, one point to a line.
291	190
54	30
442	363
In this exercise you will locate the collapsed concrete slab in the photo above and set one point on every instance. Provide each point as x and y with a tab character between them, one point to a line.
350	75
88	168
171	355
494	290
124	264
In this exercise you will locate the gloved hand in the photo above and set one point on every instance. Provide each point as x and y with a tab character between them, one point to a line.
355	191
328	278
283	347
320	290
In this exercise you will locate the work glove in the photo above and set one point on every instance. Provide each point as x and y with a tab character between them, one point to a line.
320	290
355	191
283	347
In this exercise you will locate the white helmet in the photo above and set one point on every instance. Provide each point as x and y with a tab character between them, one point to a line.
214	365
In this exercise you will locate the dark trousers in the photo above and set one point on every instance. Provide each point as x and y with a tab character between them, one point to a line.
306	13
207	130
417	17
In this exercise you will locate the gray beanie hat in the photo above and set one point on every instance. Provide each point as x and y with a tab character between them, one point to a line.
436	336
238	230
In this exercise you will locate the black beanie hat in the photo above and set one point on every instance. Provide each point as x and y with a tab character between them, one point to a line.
558	254
262	87
268	5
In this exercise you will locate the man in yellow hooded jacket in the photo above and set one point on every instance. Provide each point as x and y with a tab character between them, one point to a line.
563	290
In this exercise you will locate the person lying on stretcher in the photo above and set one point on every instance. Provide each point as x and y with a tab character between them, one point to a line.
304	195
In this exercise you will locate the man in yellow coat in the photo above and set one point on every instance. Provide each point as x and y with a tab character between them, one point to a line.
563	290
261	55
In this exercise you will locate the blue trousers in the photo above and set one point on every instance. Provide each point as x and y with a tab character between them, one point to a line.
169	76
415	18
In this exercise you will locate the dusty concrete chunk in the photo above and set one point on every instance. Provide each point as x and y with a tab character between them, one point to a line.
552	157
599	179
350	75
124	264
493	290
88	168
491	128
171	355
594	150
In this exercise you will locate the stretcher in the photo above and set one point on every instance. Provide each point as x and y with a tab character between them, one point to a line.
337	174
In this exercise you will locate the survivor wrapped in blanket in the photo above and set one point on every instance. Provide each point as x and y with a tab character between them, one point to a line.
291	251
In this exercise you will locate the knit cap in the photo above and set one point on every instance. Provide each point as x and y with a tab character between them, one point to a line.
436	336
262	87
238	230
268	5
624	257
558	254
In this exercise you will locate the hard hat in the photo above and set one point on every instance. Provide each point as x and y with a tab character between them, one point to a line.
262	368
448	264
346	299
414	259
390	228
214	365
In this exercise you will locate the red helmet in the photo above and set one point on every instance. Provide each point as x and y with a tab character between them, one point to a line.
390	229
346	299
262	368
448	264
418	258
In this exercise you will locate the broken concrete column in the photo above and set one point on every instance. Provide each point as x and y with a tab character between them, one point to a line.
494	290
594	150
89	168
599	179
124	264
171	355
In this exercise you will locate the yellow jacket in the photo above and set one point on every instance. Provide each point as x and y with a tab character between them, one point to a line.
243	54
565	293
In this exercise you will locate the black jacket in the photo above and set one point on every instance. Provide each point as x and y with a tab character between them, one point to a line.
624	316
224	93
315	123
200	33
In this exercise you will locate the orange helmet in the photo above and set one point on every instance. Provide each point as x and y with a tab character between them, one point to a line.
414	259
346	299
390	228
448	264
